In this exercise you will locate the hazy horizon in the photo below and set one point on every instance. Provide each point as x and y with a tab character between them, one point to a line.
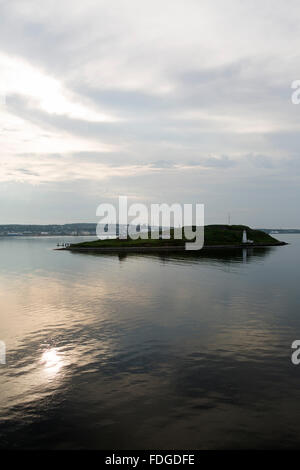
273	226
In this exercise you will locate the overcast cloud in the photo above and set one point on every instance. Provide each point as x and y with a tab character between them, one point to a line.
163	101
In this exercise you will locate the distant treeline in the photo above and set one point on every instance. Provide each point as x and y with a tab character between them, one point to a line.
50	229
83	228
55	229
48	226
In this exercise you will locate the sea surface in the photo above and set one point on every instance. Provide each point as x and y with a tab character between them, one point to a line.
149	351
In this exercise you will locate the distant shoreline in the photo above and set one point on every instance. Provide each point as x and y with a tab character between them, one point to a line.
170	248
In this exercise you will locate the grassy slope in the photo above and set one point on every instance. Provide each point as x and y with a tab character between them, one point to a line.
214	235
232	234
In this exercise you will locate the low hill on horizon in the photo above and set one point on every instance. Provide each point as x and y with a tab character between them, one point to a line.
214	235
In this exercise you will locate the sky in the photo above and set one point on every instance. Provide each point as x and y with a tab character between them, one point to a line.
173	101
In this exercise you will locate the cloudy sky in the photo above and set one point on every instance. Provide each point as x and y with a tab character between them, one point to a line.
161	100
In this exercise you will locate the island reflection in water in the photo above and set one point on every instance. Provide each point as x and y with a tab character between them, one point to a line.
148	351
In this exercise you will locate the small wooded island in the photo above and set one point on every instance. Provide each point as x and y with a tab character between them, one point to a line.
215	236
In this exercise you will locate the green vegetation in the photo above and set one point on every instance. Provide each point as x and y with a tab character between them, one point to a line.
232	235
215	235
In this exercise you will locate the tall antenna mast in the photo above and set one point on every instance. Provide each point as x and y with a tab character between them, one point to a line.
228	218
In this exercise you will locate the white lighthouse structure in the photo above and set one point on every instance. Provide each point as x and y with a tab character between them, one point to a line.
245	239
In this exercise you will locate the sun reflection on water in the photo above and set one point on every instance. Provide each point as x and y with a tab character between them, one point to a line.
52	361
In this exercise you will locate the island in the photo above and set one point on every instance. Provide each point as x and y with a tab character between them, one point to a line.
215	236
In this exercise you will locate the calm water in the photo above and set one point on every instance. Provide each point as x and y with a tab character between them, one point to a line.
149	351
